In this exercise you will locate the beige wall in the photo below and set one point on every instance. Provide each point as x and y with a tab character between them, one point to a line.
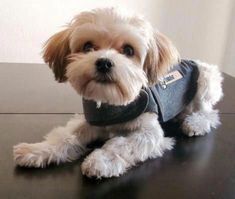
201	29
228	61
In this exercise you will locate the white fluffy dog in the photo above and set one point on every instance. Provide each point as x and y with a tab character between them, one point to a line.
109	57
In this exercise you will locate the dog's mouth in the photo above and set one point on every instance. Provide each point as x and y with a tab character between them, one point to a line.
104	79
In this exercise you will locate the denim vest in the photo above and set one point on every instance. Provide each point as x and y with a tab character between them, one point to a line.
167	98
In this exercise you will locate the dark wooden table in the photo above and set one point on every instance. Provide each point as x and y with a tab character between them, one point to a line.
31	104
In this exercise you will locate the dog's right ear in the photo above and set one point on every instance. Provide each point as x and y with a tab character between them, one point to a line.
55	54
162	54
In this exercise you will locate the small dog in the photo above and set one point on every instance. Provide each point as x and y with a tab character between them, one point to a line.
114	60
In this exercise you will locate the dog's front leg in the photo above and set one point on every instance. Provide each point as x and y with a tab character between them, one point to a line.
120	153
62	144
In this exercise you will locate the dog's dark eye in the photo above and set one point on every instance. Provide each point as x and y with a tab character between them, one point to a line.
87	47
128	50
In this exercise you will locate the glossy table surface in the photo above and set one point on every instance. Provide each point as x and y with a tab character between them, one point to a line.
31	104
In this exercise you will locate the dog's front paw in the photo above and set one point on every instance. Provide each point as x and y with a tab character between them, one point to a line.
29	155
102	163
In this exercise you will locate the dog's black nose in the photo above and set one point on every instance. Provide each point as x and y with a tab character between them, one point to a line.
104	65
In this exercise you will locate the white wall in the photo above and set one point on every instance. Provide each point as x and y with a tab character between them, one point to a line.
200	29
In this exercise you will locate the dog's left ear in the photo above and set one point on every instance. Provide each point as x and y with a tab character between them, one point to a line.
160	56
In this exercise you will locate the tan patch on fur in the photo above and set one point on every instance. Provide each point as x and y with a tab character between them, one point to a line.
55	51
21	150
161	56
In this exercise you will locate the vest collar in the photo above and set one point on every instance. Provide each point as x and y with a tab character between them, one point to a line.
108	114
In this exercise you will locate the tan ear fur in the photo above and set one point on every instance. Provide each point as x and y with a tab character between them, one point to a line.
161	55
55	52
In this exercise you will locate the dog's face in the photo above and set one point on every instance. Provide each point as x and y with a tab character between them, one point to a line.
108	56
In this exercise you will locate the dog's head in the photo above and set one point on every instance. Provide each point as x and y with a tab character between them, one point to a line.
108	56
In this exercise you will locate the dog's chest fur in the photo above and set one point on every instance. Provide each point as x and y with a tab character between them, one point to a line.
167	98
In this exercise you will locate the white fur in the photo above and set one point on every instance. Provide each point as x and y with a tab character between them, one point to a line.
199	117
120	153
134	141
62	144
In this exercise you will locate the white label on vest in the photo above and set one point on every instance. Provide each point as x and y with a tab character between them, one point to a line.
172	77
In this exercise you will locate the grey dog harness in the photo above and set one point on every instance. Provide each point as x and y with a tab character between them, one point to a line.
167	98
